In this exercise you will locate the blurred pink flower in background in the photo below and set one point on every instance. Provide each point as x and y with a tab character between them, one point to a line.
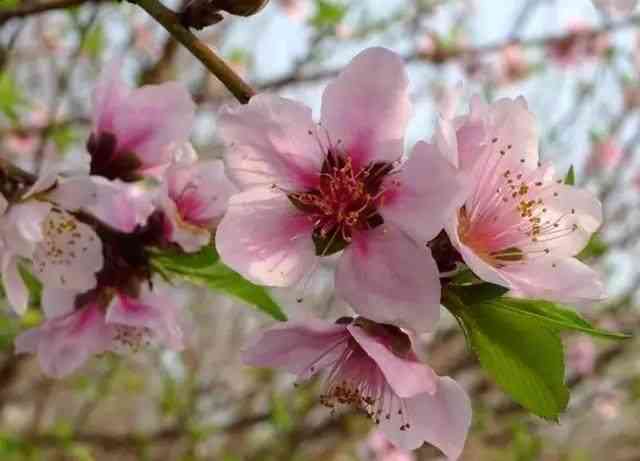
616	7
380	449
581	355
297	10
25	142
605	153
513	65
582	42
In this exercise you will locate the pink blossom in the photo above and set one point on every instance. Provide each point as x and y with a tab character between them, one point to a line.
581	355
295	9
606	153
69	336
64	343
372	367
520	227
514	65
583	41
383	450
616	7
194	198
309	191
149	318
133	130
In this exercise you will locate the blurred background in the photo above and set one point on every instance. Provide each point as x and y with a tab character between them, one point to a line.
577	69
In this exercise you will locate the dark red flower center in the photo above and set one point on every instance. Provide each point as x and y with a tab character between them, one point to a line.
346	201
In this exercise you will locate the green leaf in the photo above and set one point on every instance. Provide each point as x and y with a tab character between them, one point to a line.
478	292
329	13
594	249
11	97
555	317
34	286
94	42
523	356
570	178
206	268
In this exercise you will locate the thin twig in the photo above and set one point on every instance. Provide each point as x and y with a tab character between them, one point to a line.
216	65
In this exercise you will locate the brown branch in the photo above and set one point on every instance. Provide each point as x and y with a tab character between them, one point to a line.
37	8
216	65
443	55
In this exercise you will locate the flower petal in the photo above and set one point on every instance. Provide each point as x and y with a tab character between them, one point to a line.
157	314
121	205
367	108
151	119
406	377
301	348
74	193
388	278
421	206
109	94
57	302
15	288
264	238
69	255
63	344
442	419
566	281
272	140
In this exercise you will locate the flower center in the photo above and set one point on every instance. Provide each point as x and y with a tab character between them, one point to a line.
108	162
345	201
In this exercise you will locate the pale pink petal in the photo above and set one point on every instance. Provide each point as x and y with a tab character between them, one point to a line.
575	215
14	286
367	108
3	204
158	315
190	237
26	221
57	302
151	119
74	193
69	255
201	190
471	135
272	140
479	266
121	205
266	239
63	344
297	347
387	277
442	420
425	193
567	281
407	377
109	95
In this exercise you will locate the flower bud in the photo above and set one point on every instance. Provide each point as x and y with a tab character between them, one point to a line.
202	13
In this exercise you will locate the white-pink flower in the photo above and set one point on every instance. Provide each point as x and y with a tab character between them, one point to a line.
69	336
64	343
134	130
194	198
309	190
520	227
616	7
372	367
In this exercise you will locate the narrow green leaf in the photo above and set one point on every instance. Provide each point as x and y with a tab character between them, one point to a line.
523	356
570	178
553	316
478	292
594	249
206	268
34	286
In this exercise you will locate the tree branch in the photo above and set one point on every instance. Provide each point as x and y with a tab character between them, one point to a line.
171	22
37	8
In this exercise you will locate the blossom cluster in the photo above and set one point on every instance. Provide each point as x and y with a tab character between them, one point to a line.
398	225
